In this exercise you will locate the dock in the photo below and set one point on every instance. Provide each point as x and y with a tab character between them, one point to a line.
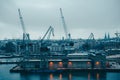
60	70
9	62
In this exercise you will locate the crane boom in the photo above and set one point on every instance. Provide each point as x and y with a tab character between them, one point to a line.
64	24
25	35
117	35
22	22
49	32
91	36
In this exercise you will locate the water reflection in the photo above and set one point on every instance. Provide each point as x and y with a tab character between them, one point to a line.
97	75
51	76
36	76
70	76
60	76
6	75
88	76
78	75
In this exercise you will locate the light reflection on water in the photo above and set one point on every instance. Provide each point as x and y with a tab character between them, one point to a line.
51	76
6	75
70	76
97	75
88	76
77	75
60	76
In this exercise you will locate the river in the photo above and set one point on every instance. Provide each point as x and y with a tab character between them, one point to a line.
6	75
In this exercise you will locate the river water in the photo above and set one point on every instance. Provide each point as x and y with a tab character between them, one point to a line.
6	75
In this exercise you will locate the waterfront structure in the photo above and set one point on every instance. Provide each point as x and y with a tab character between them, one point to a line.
98	60
59	62
75	60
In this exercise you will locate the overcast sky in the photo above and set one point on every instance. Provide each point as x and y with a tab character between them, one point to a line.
82	17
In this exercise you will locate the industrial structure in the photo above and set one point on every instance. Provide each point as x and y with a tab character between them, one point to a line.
67	34
70	54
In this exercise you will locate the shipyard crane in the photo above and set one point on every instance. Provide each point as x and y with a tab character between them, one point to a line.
117	36
49	32
91	36
26	38
68	35
43	43
90	42
25	35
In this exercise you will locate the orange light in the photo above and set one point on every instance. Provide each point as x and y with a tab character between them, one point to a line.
60	64
88	76
60	76
51	64
97	63
69	63
97	76
88	62
70	76
51	76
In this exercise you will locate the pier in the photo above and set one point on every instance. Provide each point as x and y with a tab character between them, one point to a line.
60	70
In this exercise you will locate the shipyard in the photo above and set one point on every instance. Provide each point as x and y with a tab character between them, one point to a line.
46	55
59	40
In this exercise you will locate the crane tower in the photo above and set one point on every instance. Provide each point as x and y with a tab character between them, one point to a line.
68	36
25	35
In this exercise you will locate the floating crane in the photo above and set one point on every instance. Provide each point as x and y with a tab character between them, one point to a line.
25	35
68	35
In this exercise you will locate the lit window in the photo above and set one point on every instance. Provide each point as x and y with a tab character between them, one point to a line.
69	63
88	62
97	63
51	64
60	64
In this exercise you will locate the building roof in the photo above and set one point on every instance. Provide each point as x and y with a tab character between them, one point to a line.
79	60
78	54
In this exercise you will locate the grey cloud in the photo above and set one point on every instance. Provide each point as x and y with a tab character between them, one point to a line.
81	16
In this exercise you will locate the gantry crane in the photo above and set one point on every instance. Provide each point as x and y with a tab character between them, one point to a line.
68	35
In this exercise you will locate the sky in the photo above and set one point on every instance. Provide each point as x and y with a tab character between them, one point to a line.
82	17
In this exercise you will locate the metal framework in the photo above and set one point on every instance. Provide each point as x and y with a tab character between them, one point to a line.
25	35
68	35
49	32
